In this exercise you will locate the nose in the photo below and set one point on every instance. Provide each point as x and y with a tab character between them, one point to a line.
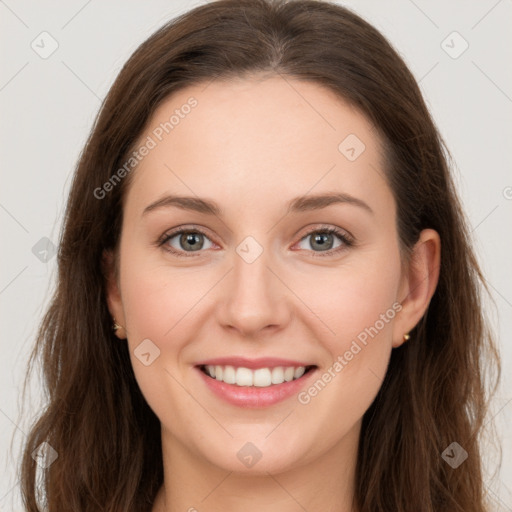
254	297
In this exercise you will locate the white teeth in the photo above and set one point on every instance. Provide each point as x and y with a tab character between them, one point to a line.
229	375
299	372
244	377
288	373
277	375
262	377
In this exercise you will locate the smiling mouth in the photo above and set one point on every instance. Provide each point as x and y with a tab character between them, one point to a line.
261	377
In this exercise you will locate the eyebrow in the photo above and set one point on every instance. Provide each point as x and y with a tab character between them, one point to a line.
298	204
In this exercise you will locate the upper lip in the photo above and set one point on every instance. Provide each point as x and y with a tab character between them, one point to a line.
261	362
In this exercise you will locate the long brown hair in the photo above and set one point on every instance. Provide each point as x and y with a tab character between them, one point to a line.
434	393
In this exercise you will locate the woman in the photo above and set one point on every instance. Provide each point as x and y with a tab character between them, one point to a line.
265	283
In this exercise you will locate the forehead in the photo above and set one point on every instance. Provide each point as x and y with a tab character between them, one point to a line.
255	140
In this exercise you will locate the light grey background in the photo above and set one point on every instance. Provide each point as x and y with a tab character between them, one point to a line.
48	106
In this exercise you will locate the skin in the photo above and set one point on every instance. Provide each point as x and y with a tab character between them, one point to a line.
251	145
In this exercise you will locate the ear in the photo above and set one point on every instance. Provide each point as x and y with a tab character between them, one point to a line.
114	302
418	284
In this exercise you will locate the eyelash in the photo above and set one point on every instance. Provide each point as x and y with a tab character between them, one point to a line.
347	240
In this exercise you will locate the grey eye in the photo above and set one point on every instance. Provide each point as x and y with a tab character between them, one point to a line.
321	241
188	241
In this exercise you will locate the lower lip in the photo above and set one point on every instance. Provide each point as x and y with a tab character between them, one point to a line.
255	397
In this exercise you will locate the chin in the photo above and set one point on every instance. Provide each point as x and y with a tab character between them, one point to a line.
258	456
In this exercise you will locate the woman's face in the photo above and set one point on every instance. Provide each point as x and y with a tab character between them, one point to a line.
259	284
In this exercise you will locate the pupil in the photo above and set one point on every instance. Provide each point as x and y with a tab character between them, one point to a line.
320	238
192	240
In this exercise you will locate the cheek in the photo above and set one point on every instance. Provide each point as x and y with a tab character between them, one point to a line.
159	302
356	306
157	297
352	299
161	305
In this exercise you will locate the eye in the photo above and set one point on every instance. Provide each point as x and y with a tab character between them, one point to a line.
324	240
184	240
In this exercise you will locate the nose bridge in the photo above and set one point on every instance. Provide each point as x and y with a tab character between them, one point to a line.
254	297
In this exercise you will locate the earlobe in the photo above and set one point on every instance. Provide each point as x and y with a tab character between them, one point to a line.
119	330
419	283
113	294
